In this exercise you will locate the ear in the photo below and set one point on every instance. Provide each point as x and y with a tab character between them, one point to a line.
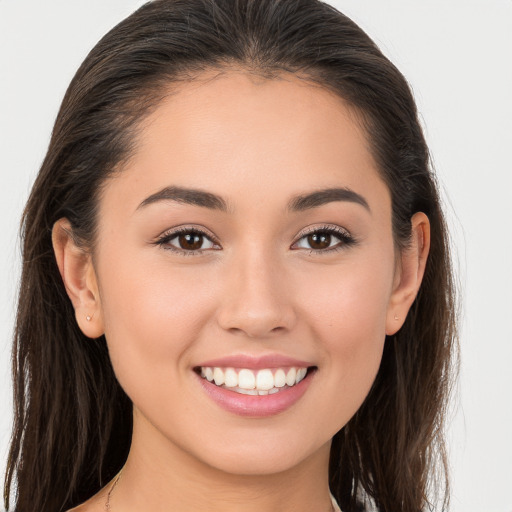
409	273
77	272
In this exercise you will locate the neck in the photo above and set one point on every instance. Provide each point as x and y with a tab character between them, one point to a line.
159	476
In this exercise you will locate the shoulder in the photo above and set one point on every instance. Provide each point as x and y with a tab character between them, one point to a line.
94	504
86	507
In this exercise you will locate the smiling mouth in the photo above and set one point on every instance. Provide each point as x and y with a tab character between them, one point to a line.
266	381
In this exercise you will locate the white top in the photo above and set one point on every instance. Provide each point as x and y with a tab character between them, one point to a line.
335	505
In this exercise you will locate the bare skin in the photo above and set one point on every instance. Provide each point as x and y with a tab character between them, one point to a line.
253	285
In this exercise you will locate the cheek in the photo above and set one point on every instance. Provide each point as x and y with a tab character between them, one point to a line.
347	313
350	301
152	315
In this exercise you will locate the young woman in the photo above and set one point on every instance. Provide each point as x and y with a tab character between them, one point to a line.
236	289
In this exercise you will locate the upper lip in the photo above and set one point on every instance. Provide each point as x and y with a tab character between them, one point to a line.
256	362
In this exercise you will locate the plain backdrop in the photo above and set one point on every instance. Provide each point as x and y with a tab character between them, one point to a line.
457	56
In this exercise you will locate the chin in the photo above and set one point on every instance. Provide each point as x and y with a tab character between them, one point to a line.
263	455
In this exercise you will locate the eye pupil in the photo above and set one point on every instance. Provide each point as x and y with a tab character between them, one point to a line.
319	240
190	241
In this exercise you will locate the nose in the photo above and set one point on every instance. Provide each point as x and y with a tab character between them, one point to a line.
256	300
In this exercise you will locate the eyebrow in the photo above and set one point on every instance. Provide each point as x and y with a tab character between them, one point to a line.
299	203
192	196
324	196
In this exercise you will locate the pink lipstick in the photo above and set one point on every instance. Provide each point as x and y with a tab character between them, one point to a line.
255	386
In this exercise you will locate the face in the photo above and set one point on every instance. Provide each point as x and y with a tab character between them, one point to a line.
247	240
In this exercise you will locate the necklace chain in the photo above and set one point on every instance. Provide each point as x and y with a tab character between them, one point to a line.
107	504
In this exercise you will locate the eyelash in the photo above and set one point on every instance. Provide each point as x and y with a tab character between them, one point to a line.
164	239
346	239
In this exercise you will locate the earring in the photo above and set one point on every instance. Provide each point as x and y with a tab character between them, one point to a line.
396	317
88	318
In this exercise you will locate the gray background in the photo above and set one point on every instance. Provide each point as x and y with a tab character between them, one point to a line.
457	56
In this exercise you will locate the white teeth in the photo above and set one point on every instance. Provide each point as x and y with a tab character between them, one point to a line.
218	376
230	378
264	380
246	379
279	378
247	391
252	382
208	373
290	376
301	373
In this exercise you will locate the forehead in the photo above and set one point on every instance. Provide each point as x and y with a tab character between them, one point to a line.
232	133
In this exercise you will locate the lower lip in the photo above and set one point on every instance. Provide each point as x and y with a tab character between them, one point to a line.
258	406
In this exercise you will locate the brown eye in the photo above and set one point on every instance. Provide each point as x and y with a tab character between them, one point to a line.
319	240
324	240
190	241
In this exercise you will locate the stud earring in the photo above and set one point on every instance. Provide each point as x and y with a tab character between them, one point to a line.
396	317
88	318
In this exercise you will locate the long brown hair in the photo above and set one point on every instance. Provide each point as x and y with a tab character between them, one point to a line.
73	422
